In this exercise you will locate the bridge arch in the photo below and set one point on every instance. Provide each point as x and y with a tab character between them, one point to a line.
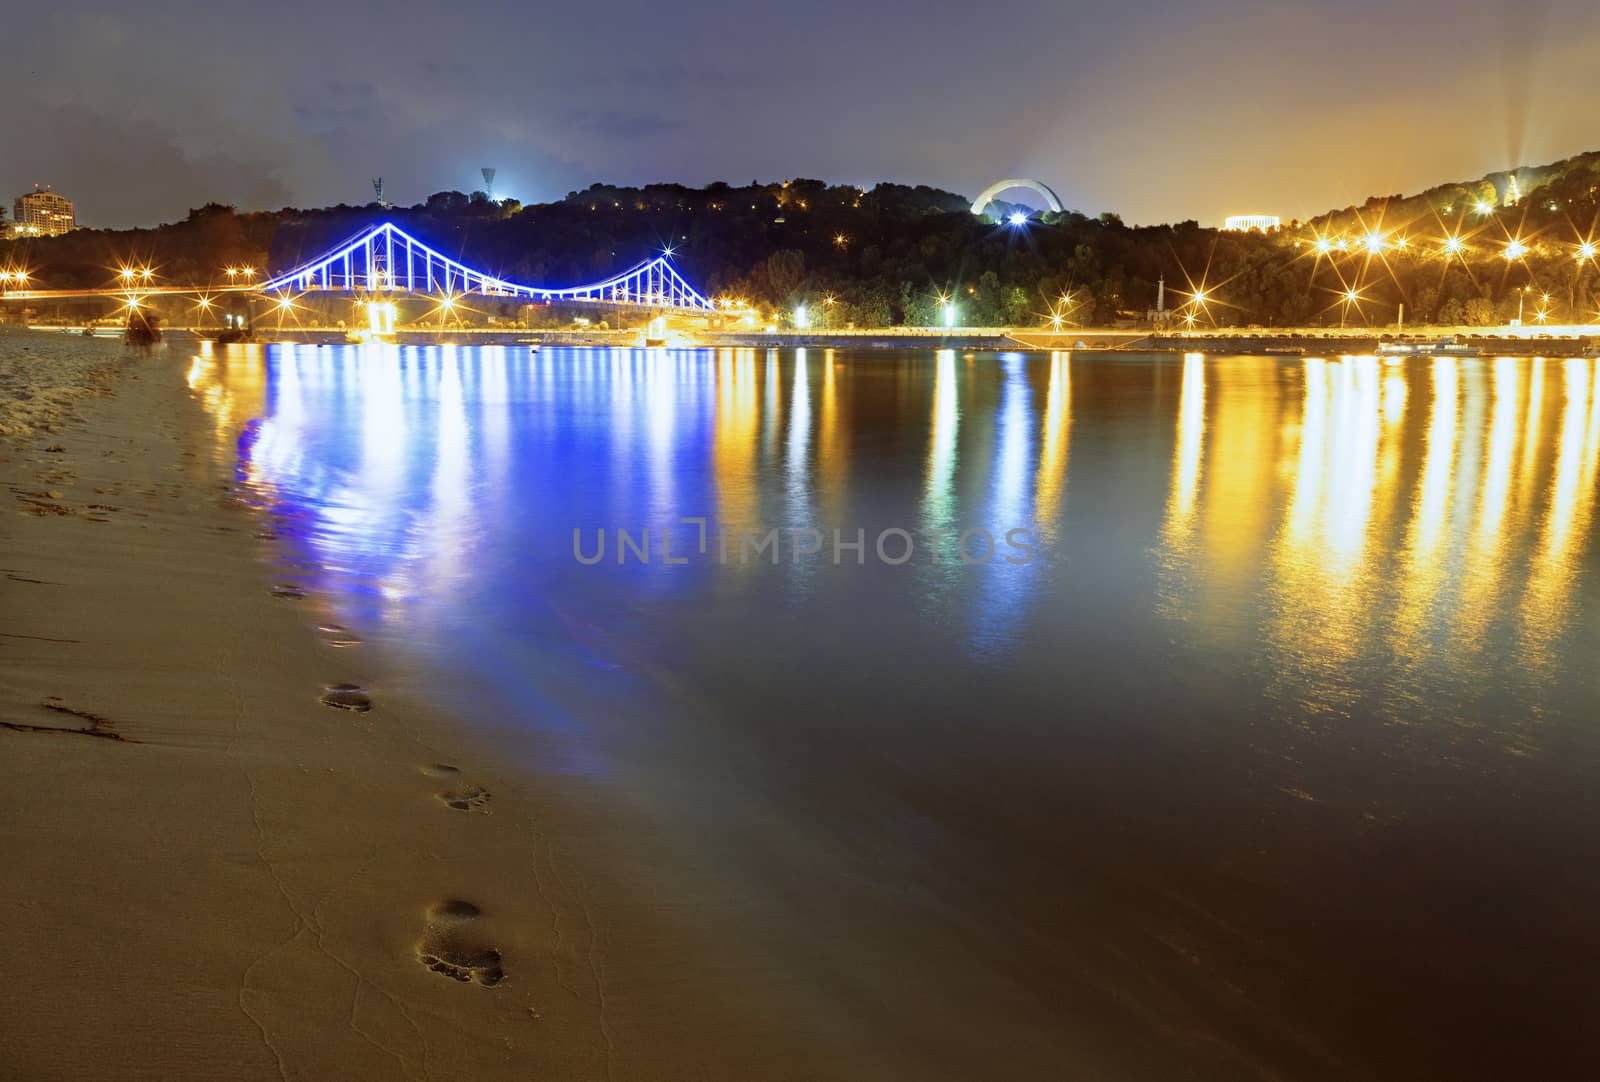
981	204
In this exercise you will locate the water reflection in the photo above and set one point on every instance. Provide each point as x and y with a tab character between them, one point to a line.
1296	501
1280	609
1051	480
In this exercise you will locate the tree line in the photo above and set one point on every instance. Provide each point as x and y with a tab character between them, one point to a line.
895	254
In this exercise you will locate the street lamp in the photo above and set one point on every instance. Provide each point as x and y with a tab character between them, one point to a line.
1351	297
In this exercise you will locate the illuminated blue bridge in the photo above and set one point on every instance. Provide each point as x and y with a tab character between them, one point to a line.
385	258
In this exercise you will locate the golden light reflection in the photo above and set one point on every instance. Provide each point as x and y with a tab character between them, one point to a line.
1556	559
1178	524
833	441
1423	567
1186	454
1324	563
1237	491
1483	574
1052	473
1534	444
230	384
734	439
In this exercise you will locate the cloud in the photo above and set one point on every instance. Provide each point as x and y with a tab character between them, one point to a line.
622	125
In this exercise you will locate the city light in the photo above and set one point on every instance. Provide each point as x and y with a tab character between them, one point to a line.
1586	251
1483	206
1323	245
948	309
802	317
1018	218
1453	245
1374	243
1515	250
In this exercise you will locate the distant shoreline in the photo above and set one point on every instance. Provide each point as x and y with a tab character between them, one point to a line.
1305	341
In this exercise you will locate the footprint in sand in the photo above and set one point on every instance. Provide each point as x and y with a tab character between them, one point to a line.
287	590
450	944
440	770
470	798
347	697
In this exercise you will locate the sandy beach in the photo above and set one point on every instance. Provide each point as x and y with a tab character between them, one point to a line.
210	871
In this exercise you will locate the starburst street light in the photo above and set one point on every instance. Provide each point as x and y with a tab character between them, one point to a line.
1454	245
1515	250
1483	206
1322	245
1586	251
1374	243
1350	299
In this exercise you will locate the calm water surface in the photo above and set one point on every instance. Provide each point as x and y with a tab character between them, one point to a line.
1277	759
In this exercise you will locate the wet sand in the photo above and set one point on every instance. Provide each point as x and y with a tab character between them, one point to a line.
218	865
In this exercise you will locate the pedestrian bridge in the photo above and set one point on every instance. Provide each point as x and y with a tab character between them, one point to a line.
385	258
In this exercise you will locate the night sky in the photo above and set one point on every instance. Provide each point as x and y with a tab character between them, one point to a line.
1160	111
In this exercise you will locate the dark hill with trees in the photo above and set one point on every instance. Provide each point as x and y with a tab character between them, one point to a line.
886	255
